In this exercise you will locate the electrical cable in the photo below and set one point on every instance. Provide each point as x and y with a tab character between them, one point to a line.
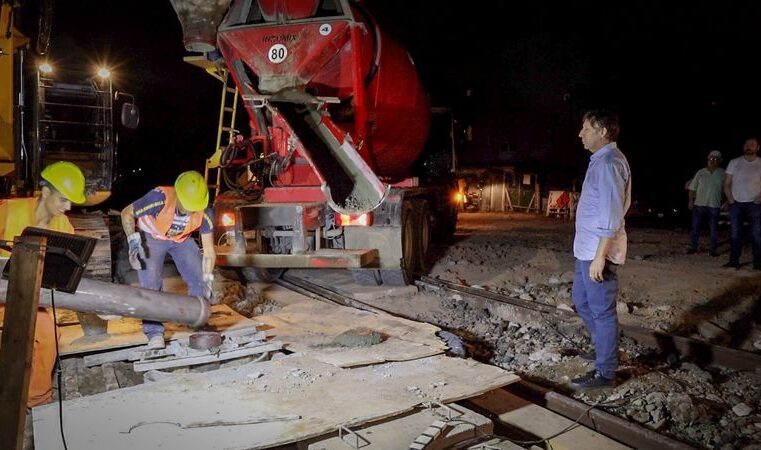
58	370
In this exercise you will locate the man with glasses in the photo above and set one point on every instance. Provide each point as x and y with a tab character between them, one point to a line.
705	201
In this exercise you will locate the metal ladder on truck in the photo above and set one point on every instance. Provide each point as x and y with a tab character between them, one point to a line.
228	108
225	128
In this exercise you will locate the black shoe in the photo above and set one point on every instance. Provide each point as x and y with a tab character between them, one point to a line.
691	251
588	356
592	380
732	265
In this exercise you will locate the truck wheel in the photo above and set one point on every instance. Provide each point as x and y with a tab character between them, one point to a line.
423	225
446	223
410	249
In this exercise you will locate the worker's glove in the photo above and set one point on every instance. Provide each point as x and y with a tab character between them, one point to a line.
208	291
136	251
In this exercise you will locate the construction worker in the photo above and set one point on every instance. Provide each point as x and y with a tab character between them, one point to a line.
166	217
62	184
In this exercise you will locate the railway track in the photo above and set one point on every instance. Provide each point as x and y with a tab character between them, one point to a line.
702	352
612	426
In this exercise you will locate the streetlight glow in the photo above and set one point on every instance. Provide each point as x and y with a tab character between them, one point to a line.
45	68
104	73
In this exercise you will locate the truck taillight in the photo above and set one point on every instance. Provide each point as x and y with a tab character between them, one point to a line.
228	219
355	220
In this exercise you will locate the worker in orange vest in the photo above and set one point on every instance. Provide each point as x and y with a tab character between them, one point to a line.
62	184
161	222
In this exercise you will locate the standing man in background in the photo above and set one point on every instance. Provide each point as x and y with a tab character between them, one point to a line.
742	186
599	245
705	191
166	217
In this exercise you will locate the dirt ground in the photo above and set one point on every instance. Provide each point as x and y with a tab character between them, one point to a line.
662	287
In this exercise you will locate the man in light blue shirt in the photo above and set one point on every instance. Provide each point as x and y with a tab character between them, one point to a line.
599	245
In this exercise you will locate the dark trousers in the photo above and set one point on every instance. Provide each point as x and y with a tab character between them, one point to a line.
699	215
596	304
738	212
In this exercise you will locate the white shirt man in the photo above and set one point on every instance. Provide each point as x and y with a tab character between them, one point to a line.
742	186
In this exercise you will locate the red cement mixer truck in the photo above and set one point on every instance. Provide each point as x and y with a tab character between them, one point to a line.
346	165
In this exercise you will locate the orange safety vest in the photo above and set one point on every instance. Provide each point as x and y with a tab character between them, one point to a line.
15	215
158	226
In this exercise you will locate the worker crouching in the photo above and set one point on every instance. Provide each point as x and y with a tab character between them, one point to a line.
161	223
62	184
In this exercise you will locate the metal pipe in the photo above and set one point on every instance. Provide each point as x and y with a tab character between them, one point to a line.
101	297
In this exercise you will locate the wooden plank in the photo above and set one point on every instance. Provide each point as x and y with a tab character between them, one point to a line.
129	333
109	357
95	226
182	361
323	395
20	318
312	327
109	376
605	423
530	421
400	432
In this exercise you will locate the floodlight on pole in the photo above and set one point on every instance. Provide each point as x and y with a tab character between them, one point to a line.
46	68
104	72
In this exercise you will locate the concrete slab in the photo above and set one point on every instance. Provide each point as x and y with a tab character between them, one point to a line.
412	431
530	419
259	405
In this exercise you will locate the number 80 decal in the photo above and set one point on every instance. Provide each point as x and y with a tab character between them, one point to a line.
277	53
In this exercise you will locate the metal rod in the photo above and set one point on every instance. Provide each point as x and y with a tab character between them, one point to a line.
100	297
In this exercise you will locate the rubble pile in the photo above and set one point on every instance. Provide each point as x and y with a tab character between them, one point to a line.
707	408
245	300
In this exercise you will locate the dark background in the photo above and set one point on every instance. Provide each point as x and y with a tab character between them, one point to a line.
683	78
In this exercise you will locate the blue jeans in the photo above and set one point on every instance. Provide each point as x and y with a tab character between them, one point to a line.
186	256
738	212
596	304
699	214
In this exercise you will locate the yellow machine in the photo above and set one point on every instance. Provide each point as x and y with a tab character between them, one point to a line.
49	115
9	44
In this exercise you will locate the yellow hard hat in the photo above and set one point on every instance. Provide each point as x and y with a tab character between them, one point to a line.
192	191
67	179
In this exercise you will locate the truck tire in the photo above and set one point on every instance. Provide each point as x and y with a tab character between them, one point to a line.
446	222
423	229
410	249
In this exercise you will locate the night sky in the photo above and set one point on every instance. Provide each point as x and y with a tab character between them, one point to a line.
682	77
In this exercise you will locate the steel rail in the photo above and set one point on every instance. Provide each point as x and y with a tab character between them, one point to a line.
702	352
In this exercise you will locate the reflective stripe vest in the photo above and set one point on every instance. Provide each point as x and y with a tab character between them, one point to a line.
18	213
159	225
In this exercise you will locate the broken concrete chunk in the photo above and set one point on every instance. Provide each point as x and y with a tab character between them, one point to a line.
566	277
622	308
742	409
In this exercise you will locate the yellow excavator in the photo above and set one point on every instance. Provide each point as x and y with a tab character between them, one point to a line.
48	114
